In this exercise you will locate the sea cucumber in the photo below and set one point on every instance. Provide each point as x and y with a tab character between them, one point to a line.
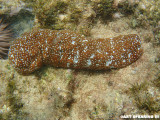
68	49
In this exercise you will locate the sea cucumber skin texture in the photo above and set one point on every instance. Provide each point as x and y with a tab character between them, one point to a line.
68	49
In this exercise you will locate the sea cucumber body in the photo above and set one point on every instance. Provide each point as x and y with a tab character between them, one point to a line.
68	49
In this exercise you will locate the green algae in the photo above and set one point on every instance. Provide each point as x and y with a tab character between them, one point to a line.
14	102
47	11
75	15
104	9
61	100
98	112
156	32
148	12
143	99
60	104
156	82
126	8
101	112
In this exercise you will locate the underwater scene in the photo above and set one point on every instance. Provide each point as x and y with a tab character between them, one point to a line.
79	59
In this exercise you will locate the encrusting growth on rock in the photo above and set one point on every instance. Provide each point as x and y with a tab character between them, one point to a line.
68	49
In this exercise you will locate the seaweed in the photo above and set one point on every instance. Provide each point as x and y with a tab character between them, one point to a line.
143	99
104	9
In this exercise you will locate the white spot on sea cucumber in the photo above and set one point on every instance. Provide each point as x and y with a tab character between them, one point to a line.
50	34
60	47
68	64
77	53
84	50
111	56
22	49
12	56
69	57
75	59
46	48
73	42
124	60
86	47
89	62
66	33
108	62
129	60
97	65
122	56
92	56
72	51
73	37
98	51
106	52
124	49
61	56
84	40
129	55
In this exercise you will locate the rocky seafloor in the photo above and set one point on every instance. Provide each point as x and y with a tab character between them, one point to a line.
66	94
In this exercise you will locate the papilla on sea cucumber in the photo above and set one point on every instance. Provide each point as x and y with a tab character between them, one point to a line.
67	49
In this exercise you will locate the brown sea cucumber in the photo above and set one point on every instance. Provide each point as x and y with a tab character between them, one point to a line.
68	49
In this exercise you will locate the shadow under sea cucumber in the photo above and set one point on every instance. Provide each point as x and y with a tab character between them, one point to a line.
68	49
